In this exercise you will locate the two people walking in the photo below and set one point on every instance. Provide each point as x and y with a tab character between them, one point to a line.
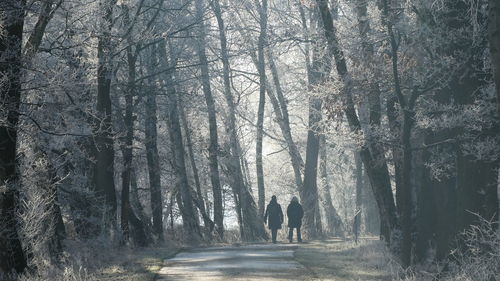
274	218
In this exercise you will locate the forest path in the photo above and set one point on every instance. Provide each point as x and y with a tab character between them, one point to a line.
249	262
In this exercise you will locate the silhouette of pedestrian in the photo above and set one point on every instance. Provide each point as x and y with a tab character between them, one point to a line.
295	214
273	217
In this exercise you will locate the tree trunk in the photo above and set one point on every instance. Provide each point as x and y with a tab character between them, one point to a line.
103	129
128	142
377	173
405	191
35	39
198	200
280	108
151	138
494	40
335	224
11	253
262	101
189	219
359	199
212	121
371	215
320	70
127	213
253	226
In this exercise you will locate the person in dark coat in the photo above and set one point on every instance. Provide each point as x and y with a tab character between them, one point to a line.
273	217
295	214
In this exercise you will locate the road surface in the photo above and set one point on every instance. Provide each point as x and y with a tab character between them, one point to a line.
249	262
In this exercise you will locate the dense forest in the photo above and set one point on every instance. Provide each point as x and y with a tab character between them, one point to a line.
142	122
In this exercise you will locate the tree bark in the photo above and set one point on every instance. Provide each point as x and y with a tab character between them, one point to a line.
404	192
359	194
12	257
335	224
494	40
279	103
198	200
127	212
281	110
253	226
212	121
35	39
152	156
319	71
377	173
103	128
189	219
262	101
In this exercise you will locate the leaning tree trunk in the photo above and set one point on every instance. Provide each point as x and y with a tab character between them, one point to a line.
377	173
280	108
253	226
11	253
189	218
198	200
212	122
262	101
103	127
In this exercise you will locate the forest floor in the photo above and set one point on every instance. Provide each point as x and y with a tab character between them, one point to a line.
332	259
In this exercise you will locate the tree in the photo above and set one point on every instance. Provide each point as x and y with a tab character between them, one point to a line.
494	40
212	120
190	222
151	139
11	253
262	101
103	127
377	173
253	226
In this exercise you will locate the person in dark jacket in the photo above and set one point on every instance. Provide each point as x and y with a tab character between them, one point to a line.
273	217
295	214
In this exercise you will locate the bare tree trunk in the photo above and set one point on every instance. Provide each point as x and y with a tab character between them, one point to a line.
212	121
494	40
128	142
280	108
11	253
335	224
35	39
103	130
199	201
189	218
253	226
262	101
378	174
127	213
371	215
359	192
151	138
319	71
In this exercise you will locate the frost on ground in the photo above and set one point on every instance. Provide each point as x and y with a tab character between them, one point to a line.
94	260
340	260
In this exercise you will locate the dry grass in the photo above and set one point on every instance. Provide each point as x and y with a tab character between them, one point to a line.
96	260
340	260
